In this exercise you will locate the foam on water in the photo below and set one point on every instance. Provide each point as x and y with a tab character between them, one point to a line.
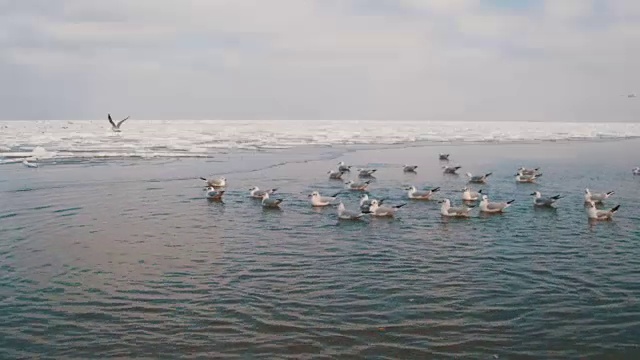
191	138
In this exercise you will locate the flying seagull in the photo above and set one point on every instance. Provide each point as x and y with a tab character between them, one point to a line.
116	127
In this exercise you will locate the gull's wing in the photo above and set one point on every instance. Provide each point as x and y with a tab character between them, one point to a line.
121	121
111	120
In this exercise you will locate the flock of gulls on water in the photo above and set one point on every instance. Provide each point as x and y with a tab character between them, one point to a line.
215	190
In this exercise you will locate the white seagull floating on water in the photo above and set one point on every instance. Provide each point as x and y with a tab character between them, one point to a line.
270	203
409	168
216	183
414	194
116	127
595	214
366	172
447	210
318	201
212	194
383	211
357	186
470	195
335	175
526	171
345	214
255	192
521	178
493	207
365	202
636	171
596	197
479	179
451	169
538	200
343	167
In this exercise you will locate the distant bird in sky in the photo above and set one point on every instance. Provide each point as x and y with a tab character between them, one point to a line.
116	127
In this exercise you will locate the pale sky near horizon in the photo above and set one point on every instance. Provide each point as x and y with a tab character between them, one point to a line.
553	60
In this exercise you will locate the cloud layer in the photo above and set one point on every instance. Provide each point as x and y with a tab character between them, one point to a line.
555	60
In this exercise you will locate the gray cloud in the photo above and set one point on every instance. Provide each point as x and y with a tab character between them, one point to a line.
313	59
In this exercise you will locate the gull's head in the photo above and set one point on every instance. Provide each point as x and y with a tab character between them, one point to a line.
341	163
254	188
536	194
411	188
364	197
349	182
360	169
465	189
374	202
586	191
469	174
223	179
314	194
341	207
485	198
521	168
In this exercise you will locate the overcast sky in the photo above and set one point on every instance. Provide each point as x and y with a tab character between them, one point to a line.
556	60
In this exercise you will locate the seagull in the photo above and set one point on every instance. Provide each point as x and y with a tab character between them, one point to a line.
526	171
255	192
345	214
383	211
366	172
596	198
470	195
443	156
595	214
538	200
270	203
116	127
343	168
636	171
447	210
521	178
335	175
479	179
492	207
409	168
365	202
451	169
360	186
414	194
318	200
216	183
28	164
213	194
631	96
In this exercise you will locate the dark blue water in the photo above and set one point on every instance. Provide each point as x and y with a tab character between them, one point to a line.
127	259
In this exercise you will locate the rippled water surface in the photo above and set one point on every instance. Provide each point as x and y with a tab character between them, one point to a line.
125	258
